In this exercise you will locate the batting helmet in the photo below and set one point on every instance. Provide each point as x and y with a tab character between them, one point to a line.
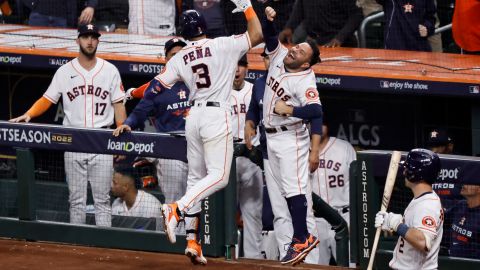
192	24
421	164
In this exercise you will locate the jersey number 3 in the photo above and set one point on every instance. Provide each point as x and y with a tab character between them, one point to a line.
201	70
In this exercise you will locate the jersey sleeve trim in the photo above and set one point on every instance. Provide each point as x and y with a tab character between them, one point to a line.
427	230
117	100
50	99
274	52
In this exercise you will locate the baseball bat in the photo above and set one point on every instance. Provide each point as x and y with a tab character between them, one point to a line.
387	192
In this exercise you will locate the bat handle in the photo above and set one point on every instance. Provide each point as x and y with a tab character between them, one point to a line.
374	248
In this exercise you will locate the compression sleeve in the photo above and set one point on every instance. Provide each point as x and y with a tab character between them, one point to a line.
39	107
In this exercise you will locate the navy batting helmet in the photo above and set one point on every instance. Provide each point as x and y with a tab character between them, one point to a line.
421	164
192	24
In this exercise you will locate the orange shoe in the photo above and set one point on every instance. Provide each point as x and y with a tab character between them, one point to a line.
297	251
170	220
194	252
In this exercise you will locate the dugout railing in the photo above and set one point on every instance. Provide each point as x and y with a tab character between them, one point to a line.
368	174
23	195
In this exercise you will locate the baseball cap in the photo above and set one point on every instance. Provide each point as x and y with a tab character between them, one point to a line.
437	137
243	61
173	43
86	29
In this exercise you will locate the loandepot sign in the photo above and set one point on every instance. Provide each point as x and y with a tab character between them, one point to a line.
130	147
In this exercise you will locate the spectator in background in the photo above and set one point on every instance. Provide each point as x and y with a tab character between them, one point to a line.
464	237
466	25
440	142
408	24
331	23
214	12
130	201
59	13
152	17
369	7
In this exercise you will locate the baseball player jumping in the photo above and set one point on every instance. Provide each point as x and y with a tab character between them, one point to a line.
291	96
420	228
92	95
206	67
282	221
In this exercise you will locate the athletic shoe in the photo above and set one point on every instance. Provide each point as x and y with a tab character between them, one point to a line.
297	251
170	220
194	252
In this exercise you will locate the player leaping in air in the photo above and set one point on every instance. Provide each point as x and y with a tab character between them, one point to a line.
290	97
207	66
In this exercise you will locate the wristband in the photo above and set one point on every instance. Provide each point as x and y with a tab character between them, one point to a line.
250	13
402	229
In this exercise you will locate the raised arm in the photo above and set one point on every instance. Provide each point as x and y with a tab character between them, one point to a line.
254	27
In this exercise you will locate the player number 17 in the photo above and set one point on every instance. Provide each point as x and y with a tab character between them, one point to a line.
100	108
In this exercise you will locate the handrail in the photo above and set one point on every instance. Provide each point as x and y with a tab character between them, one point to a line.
368	19
443	28
363	26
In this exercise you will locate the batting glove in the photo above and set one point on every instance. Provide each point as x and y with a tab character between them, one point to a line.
388	221
128	95
242	5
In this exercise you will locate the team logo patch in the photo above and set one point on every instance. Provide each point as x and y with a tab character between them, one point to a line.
182	94
429	222
311	94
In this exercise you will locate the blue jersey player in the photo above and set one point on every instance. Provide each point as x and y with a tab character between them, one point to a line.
170	109
465	227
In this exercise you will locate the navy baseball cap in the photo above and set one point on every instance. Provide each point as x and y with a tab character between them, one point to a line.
173	43
437	137
86	29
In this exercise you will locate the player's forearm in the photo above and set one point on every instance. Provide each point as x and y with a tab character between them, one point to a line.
307	112
315	143
140	91
254	27
39	107
120	113
140	113
416	238
270	35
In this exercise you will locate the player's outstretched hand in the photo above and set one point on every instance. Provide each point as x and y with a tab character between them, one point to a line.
242	5
128	95
86	16
388	221
119	130
270	13
23	118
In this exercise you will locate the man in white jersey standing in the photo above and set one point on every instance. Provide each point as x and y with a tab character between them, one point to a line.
207	68
290	97
92	95
331	182
131	201
249	174
420	228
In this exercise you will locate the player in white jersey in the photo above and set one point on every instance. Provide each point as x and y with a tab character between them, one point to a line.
331	182
249	175
92	95
131	201
420	228
207	66
151	17
290	97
